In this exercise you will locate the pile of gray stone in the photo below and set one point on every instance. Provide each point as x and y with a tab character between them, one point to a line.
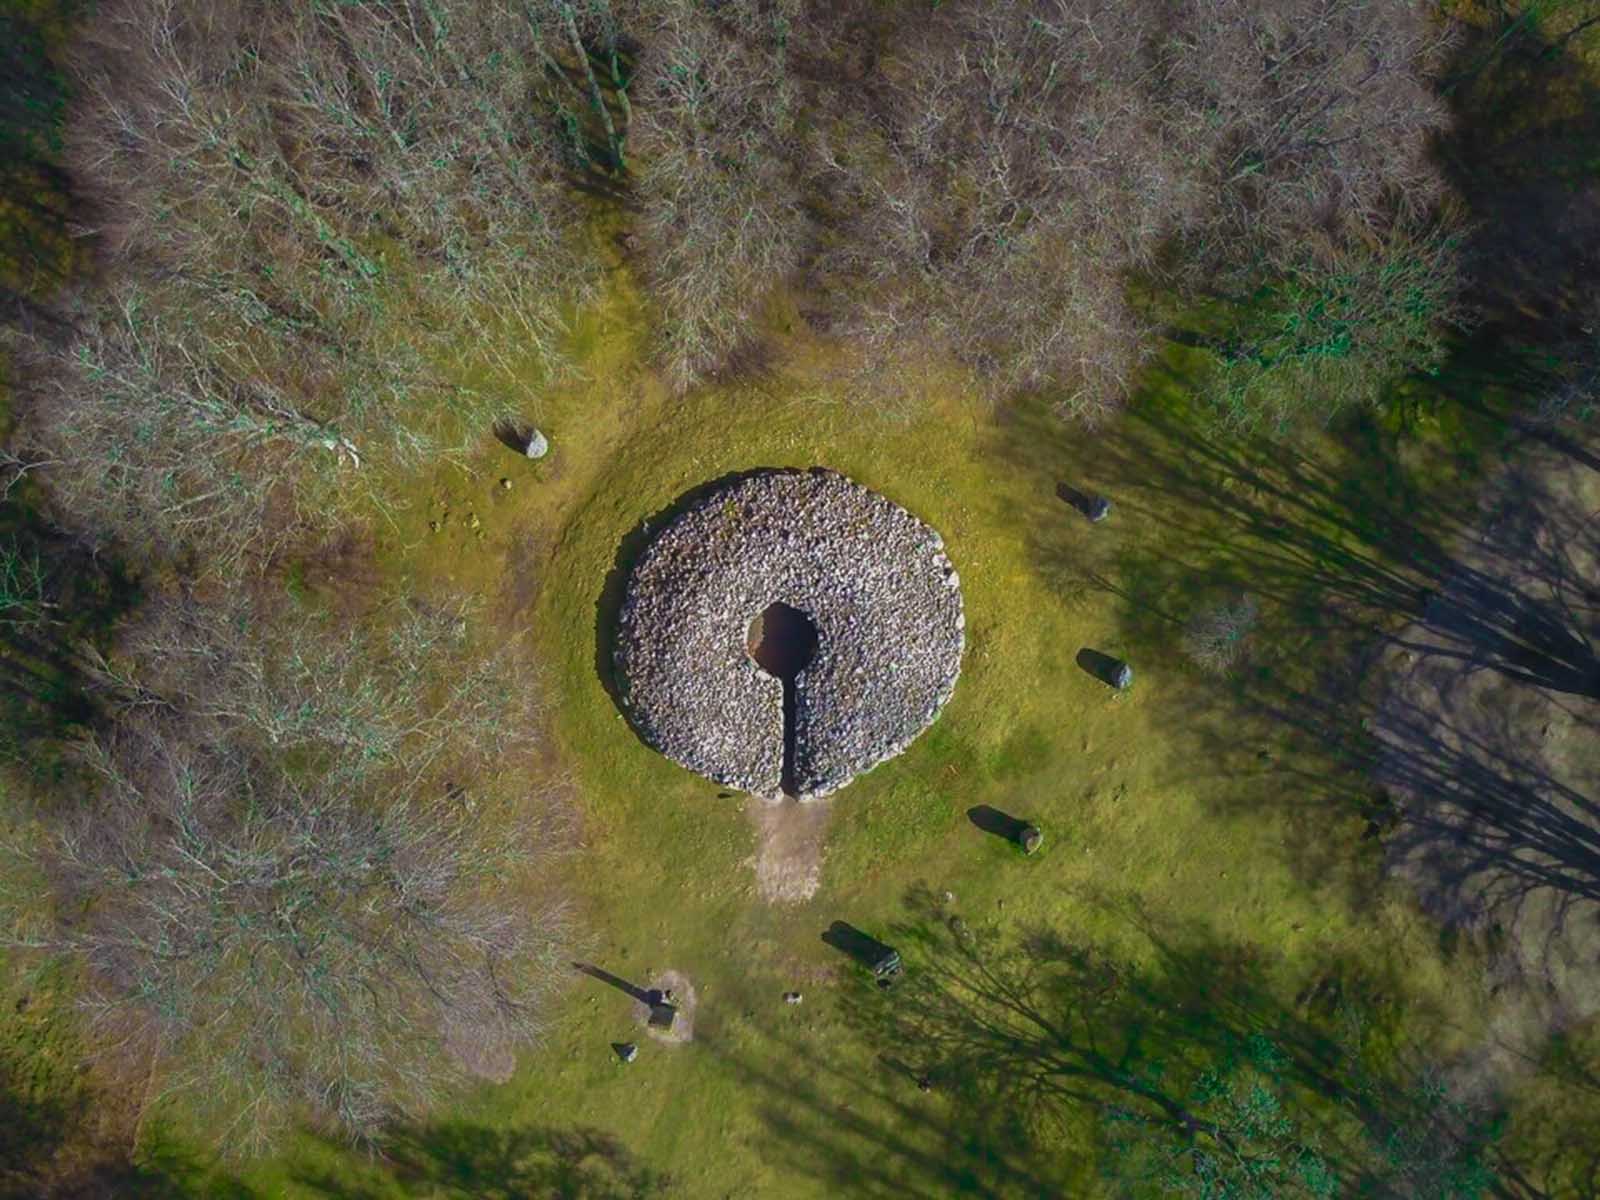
874	581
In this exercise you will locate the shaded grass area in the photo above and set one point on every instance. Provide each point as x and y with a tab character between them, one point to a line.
36	252
63	1135
461	1160
58	601
1556	1122
1356	553
1028	1036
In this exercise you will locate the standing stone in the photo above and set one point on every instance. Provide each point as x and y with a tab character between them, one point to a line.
662	1015
1094	508
1121	677
538	445
626	1051
1030	839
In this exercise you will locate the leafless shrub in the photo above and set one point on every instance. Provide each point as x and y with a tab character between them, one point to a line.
1336	321
715	112
1569	394
1012	169
1009	180
300	205
24	598
1302	117
293	881
1216	636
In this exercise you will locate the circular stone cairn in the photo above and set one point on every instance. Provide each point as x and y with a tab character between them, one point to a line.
872	579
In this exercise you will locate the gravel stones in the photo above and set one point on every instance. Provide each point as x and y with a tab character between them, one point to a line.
873	580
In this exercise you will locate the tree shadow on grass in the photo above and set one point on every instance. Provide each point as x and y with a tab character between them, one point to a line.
58	599
1560	1130
1356	562
37	251
889	1140
460	1160
1035	1049
52	1147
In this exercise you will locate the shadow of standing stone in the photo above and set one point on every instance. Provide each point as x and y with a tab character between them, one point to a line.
1094	508
1112	672
1003	825
883	961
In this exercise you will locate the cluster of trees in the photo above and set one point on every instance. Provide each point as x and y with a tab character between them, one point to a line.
298	849
305	209
1022	172
1001	183
285	866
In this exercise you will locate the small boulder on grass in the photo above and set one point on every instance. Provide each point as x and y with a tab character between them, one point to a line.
1112	672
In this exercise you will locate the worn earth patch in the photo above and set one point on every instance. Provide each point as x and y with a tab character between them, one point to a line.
1490	742
789	848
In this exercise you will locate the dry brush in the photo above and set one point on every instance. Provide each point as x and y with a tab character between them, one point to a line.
294	876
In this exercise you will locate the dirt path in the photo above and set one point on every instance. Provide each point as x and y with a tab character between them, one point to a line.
789	848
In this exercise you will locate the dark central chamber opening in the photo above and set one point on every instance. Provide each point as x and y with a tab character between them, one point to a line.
782	640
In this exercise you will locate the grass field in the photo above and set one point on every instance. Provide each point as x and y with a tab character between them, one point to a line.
1152	848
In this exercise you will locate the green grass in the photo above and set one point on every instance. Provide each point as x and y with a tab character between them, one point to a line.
771	1100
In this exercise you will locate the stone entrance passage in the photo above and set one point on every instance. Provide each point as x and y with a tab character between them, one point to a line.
783	641
788	631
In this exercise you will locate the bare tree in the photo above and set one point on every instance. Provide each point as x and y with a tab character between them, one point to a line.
1336	322
1304	117
994	198
715	119
305	209
294	884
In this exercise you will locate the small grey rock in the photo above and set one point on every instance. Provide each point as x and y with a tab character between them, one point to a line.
792	997
626	1051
